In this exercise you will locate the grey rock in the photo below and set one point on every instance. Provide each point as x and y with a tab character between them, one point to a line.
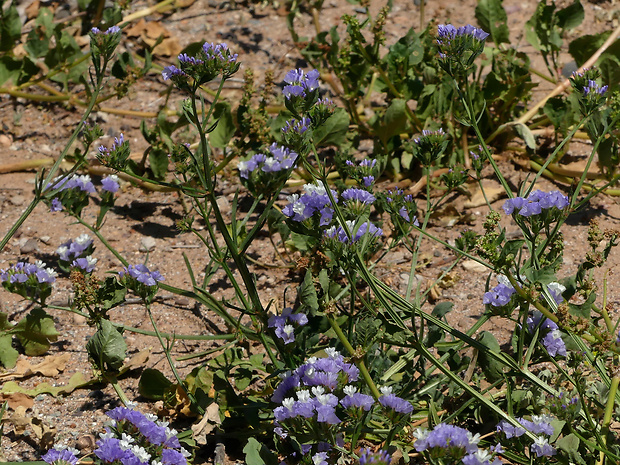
147	244
17	200
31	245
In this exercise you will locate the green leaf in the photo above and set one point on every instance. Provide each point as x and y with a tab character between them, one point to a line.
307	292
9	69
442	309
570	445
584	47
107	347
394	121
333	130
36	331
571	16
10	27
491	367
257	453
526	134
492	18
543	275
225	128
153	384
158	162
8	355
111	293
76	381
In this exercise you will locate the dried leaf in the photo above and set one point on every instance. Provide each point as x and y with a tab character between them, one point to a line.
150	32
49	367
17	399
207	424
32	10
493	192
45	433
19	420
136	362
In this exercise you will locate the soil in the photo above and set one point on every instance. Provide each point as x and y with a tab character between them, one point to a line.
143	222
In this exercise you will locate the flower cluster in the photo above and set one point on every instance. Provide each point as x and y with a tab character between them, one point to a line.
501	294
31	281
300	84
301	90
459	47
429	147
539	425
535	203
136	438
72	192
364	172
141	280
565	407
402	209
210	61
553	338
60	455
263	173
454	443
142	274
110	183
314	200
591	94
339	234
381	457
320	394
115	157
285	324
103	43
72	249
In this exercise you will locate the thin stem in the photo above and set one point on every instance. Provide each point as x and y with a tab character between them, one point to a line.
609	410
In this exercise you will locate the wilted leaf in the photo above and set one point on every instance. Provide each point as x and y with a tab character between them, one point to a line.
77	380
137	361
208	423
45	433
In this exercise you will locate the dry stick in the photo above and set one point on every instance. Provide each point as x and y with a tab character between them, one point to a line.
147	11
562	87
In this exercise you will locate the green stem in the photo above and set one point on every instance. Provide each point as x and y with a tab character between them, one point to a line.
609	410
358	361
119	391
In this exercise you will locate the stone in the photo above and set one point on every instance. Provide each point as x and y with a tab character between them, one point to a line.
31	245
147	244
472	265
17	200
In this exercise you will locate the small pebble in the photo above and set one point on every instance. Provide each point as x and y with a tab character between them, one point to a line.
17	200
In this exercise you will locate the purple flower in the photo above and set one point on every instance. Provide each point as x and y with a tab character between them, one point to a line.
56	205
107	32
70	250
510	430
142	274
393	402
358	195
542	448
340	234
449	32
297	126
300	84
552	340
381	457
535	203
354	399
283	329
110	183
60	456
87	263
446	436
314	200
170	71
